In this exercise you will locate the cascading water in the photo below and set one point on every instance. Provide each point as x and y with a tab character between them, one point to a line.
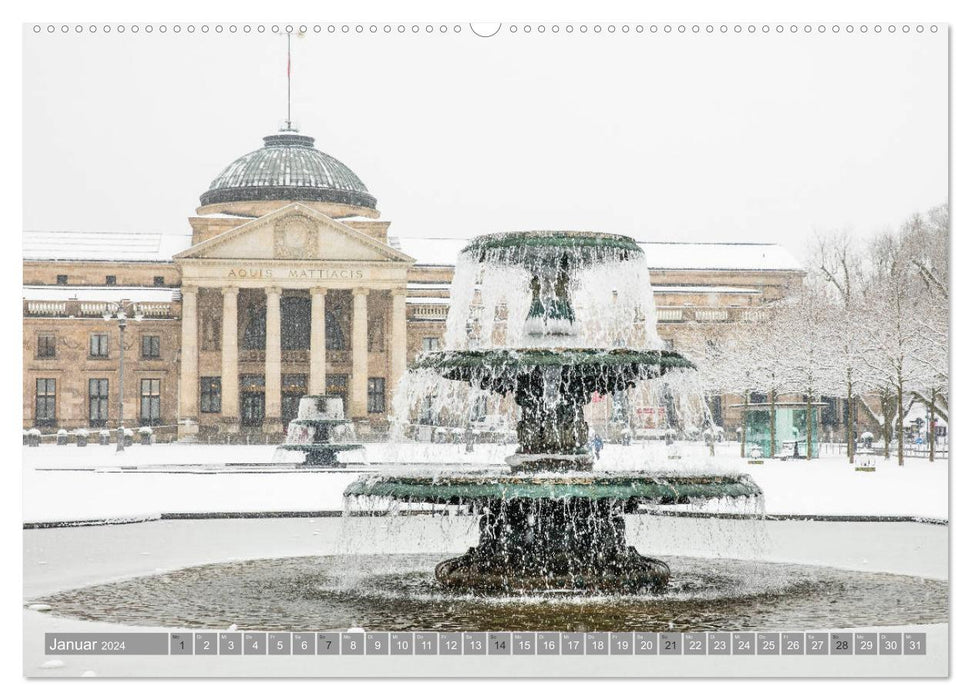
544	321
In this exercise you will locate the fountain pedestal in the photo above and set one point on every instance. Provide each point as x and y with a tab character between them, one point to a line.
576	545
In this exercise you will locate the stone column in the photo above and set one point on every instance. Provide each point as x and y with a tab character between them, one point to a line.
271	421
318	341
399	339
230	361
359	355
189	364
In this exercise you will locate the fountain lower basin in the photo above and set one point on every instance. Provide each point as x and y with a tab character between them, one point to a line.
396	592
554	532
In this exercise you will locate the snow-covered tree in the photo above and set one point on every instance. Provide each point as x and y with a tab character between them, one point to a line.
839	265
893	338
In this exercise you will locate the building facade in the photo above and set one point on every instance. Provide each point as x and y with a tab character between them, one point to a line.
290	284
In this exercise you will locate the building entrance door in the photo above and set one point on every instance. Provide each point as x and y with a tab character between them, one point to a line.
253	408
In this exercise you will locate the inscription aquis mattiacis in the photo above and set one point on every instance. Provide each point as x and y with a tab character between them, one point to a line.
292	274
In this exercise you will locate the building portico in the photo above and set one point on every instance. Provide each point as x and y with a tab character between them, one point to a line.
269	318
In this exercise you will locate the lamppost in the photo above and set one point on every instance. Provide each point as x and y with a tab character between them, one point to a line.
121	312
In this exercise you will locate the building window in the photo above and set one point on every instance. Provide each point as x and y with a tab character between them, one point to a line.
210	394
45	411
429	344
375	395
211	333
480	409
337	387
375	335
151	347
333	332
47	346
254	330
293	387
111	280
99	345
295	323
62	279
426	415
158	281
98	403
151	402
252	399
715	406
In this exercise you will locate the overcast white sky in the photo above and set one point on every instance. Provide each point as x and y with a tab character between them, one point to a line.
663	137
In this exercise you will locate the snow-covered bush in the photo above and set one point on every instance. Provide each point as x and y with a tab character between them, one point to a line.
33	437
104	436
145	435
81	435
62	437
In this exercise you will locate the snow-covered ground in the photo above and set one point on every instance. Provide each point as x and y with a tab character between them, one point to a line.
94	482
63	558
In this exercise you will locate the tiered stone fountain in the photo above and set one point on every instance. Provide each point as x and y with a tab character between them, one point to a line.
552	523
320	431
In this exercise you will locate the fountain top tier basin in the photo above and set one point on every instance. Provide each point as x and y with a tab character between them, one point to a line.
542	247
456	488
320	407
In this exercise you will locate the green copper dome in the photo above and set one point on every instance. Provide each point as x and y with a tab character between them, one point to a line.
288	168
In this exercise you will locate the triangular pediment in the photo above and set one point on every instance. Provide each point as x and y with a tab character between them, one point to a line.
295	232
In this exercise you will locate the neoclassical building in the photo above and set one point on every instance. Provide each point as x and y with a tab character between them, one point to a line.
290	284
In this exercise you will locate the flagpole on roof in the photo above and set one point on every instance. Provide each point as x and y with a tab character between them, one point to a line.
289	124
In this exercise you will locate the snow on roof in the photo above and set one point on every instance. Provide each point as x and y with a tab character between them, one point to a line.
132	246
670	255
223	215
660	255
102	245
115	294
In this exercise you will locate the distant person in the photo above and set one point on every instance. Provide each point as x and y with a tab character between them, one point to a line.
598	444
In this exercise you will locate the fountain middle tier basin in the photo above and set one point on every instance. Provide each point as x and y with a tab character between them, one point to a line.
594	369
